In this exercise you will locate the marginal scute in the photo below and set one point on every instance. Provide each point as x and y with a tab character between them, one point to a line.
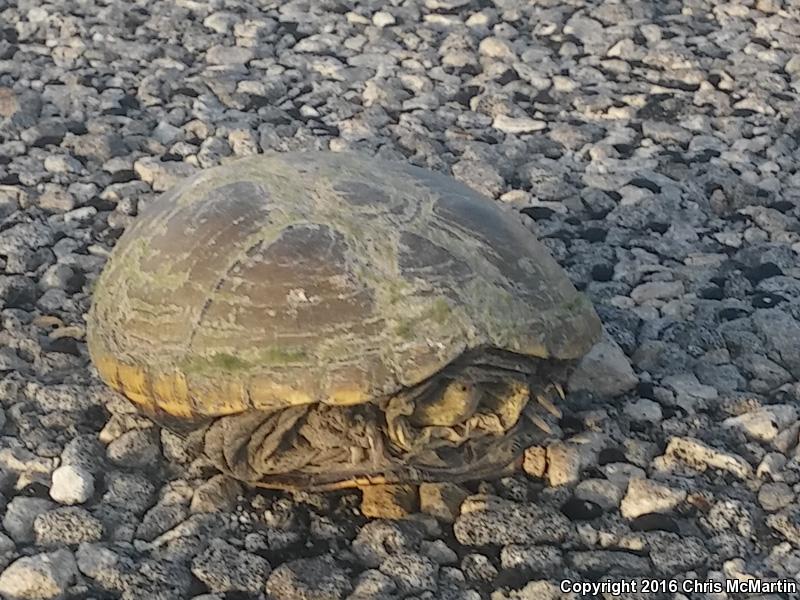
267	394
171	393
215	394
134	381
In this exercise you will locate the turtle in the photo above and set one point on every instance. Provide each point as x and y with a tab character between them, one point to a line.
323	320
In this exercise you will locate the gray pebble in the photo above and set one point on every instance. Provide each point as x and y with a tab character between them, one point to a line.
20	515
318	578
223	568
380	539
39	577
412	573
66	526
491	520
775	496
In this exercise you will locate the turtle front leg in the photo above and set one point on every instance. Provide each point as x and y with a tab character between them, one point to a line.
244	444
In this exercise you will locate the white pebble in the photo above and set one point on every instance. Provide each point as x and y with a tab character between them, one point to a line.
72	485
646	496
383	19
508	124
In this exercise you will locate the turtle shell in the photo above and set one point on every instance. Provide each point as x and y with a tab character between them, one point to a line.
298	278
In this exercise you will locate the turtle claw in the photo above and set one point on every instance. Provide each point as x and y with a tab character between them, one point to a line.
544	413
548	405
541	424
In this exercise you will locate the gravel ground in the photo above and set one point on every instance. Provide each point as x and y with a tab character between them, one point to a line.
652	144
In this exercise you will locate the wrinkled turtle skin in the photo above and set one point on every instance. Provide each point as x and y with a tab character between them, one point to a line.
325	320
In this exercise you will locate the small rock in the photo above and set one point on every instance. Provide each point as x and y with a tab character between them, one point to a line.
673	554
129	491
604	370
772	6
544	561
657	290
497	48
72	485
10	360
478	568
221	21
771	465
7	545
166	133
775	496
389	501
21	512
764	424
39	577
218	494
108	568
727	514
137	448
319	578
644	410
60	163
442	500
609	562
438	552
689	392
480	176
162	175
787	523
180	449
60	277
655	522
9	102
56	199
243	142
381	539
373	585
692	453
563	464
576	509
383	19
84	451
606	494
516	125
640	452
160	519
16	291
224	568
491	520
781	331
647	496
534	461
229	55
411	572
66	525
